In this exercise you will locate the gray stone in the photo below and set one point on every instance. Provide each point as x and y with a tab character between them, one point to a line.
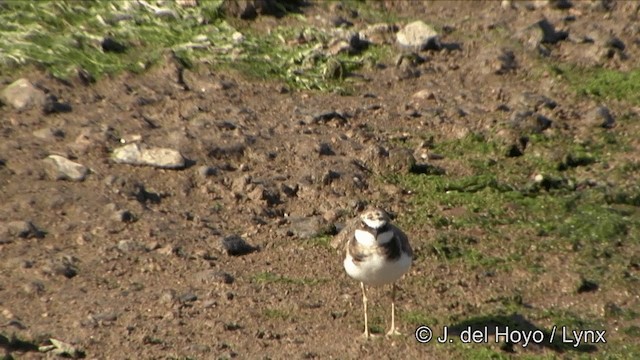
601	117
52	105
533	102
130	246
64	265
136	154
498	61
379	34
207	171
401	160
418	36
214	276
554	4
18	229
324	148
125	216
235	245
240	184
537	35
21	94
48	133
269	196
188	297
528	122
307	227
62	168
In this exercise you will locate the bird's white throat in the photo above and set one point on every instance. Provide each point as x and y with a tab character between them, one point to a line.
374	223
366	238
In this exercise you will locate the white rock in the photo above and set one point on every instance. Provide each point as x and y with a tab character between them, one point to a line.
424	94
21	94
418	36
136	154
62	168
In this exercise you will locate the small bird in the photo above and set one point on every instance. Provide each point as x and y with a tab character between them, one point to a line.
377	253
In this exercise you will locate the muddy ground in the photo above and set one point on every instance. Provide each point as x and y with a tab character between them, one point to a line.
129	263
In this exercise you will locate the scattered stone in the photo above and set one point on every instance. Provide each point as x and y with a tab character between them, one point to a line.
587	286
214	276
188	297
533	102
572	160
270	196
131	189
48	133
65	266
424	95
22	95
537	35
240	184
127	246
137	154
340	21
207	171
503	63
250	9
553	4
325	117
379	34
518	147
528	122
406	66
168	296
34	287
102	319
52	105
307	227
601	117
401	160
168	249
427	169
62	168
507	4
110	44
290	191
237	37
329	176
325	149
235	245
418	36
19	229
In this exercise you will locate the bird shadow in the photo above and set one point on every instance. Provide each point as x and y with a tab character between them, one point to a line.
12	343
557	340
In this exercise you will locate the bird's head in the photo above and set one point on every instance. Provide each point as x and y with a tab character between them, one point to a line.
375	219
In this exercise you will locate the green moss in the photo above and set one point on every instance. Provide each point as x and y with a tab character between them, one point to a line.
602	83
65	36
417	318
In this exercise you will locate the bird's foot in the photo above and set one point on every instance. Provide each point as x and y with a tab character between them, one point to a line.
393	332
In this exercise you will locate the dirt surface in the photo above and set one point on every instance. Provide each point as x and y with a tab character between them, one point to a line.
130	262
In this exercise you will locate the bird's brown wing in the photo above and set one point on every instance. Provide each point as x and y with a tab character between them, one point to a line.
342	238
404	240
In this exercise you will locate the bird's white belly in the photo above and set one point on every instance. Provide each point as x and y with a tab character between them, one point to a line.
376	270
